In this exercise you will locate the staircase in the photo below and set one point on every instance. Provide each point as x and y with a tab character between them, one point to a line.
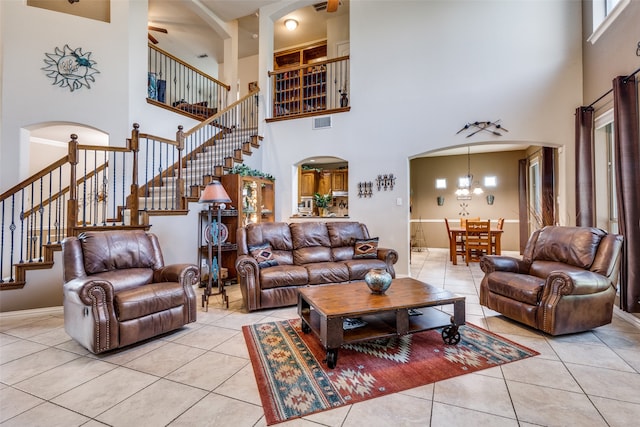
92	188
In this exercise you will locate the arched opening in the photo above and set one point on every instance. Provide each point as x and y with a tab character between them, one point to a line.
323	187
435	178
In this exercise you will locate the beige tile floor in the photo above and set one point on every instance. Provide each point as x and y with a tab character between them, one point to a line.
201	375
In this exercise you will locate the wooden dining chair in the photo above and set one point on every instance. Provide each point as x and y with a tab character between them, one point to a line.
459	243
463	221
477	240
494	237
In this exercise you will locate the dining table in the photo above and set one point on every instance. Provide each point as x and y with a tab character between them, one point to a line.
456	231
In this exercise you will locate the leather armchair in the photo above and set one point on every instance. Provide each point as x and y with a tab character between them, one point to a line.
564	283
117	290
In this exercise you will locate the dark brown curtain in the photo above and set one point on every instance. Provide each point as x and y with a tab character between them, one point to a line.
585	197
523	210
548	186
627	158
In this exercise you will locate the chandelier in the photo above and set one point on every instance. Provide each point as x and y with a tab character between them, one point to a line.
465	183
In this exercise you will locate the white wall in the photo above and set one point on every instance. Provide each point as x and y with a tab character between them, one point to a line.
419	72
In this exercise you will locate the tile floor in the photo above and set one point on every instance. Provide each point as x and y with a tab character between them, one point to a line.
201	375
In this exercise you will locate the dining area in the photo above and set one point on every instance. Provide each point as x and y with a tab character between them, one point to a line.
471	238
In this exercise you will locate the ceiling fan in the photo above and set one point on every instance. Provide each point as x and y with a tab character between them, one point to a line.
158	29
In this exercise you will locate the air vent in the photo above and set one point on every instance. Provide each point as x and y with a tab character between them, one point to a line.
319	7
322	122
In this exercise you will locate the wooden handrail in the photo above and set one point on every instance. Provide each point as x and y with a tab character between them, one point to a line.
159	139
65	190
33	178
181	62
219	114
302	67
104	148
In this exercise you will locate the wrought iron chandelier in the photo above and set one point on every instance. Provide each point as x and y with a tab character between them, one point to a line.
465	183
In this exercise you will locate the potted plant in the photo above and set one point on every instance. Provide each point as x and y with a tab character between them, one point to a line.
322	202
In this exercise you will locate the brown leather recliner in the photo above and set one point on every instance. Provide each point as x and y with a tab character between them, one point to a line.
117	290
565	282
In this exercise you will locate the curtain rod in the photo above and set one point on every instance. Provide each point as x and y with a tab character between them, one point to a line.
611	90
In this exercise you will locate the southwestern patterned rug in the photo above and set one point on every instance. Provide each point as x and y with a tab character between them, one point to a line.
294	380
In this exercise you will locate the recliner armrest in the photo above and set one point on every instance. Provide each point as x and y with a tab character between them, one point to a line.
187	274
89	290
491	263
574	283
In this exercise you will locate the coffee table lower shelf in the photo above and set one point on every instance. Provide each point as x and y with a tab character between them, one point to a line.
380	325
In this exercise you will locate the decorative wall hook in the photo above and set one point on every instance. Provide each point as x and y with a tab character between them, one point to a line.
365	189
386	181
494	128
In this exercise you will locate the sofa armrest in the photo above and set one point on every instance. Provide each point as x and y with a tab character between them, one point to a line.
249	279
390	257
491	263
89	314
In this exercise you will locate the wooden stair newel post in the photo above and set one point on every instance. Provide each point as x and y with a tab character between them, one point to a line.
72	203
180	185
133	202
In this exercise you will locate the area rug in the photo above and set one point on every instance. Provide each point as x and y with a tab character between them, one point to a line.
294	381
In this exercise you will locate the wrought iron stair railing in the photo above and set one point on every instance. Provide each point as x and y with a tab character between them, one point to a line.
39	212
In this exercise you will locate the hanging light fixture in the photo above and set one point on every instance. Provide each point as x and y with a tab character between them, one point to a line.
465	183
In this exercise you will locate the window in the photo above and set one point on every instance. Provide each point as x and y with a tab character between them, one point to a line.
535	195
604	12
605	182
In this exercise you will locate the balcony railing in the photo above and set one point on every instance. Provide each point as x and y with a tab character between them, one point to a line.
310	89
174	84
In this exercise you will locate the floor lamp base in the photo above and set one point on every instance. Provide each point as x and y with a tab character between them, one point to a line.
207	293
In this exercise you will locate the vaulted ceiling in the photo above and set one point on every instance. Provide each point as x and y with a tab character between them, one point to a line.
187	32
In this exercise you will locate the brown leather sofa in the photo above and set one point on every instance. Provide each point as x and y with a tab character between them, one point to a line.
117	290
564	283
304	254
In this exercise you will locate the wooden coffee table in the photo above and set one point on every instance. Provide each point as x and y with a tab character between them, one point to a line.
323	310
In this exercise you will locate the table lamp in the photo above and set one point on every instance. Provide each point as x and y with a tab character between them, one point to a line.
215	195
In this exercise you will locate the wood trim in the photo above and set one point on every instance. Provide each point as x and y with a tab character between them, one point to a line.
301	67
309	114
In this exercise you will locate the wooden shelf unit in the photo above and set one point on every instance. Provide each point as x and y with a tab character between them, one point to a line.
229	217
300	89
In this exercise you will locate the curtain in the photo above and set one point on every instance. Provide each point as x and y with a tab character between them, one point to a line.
585	198
523	167
627	158
548	186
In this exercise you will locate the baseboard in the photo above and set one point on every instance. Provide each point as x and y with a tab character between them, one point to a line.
33	312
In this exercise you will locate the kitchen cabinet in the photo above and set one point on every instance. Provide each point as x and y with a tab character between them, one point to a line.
308	183
340	180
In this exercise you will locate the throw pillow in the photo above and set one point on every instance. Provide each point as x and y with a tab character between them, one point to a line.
366	248
263	254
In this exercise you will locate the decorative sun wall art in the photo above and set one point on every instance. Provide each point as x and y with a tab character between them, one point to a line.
70	68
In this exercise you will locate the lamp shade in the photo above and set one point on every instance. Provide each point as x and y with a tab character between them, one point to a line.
214	192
